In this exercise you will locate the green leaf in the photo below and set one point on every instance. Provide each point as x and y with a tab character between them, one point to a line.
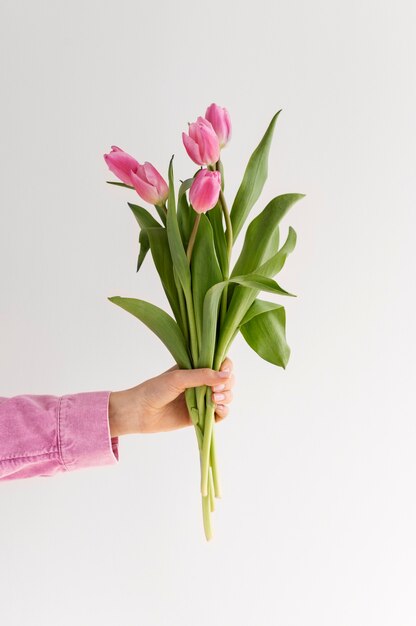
186	215
177	250
274	264
144	248
243	297
262	236
162	324
160	250
145	220
162	213
212	298
143	217
264	329
258	308
253	180
113	182
216	219
205	270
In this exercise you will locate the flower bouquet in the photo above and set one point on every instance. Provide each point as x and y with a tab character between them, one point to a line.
191	244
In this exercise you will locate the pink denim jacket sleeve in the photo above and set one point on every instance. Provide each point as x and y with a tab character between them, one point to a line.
41	435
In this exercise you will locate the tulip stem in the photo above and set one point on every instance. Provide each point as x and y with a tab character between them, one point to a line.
162	210
206	446
193	236
214	467
192	327
184	316
229	238
229	229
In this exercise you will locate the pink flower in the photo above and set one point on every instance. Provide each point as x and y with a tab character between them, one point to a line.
205	190
149	184
202	143
121	164
221	123
145	178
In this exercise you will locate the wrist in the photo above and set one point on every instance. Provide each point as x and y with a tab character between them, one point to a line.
122	413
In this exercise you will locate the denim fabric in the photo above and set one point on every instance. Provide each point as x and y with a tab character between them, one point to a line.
41	435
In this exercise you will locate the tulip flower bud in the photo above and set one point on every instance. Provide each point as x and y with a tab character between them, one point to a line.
205	190
149	184
221	123
121	164
202	143
145	178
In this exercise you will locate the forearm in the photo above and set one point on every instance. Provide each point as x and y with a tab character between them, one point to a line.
41	435
122	413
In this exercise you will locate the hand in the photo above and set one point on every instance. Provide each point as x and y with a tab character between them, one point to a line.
158	404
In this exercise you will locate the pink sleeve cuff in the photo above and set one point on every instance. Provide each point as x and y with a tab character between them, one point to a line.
84	438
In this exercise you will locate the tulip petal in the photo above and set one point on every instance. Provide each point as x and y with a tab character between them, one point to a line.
121	164
145	191
154	178
192	148
205	190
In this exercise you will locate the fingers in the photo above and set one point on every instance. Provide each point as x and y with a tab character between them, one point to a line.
225	386
222	397
227	364
221	411
183	379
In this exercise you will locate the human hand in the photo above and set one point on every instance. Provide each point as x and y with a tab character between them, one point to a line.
158	404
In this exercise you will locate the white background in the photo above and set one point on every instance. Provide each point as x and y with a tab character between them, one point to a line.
317	524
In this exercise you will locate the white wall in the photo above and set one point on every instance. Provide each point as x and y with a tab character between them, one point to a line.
317	524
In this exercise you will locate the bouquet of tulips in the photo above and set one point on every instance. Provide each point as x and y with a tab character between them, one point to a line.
191	244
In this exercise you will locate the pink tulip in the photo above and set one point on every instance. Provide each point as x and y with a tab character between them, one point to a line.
149	184
205	190
202	143
145	178
121	164
221	123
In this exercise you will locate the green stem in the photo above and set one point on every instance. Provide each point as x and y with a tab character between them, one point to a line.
189	255
182	307
199	436
200	403
193	236
195	340
227	218
192	327
206	447
211	491
214	467
229	238
206	515
162	210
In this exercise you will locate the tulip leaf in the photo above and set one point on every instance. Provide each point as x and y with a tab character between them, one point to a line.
256	282
264	329
243	297
162	324
215	217
144	248
262	236
253	180
205	270
186	215
177	250
145	220
143	217
274	264
160	250
162	213
115	182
